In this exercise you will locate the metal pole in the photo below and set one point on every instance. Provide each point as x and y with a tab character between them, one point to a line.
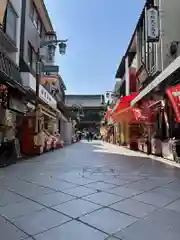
38	76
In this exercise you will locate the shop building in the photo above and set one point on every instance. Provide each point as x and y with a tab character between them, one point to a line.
54	84
35	23
65	117
12	92
153	107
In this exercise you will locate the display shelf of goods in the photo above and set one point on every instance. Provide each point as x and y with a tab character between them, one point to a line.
3	96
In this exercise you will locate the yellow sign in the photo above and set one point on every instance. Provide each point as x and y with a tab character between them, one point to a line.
49	80
3	5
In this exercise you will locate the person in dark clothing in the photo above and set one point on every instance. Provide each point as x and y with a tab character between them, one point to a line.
80	136
87	136
91	136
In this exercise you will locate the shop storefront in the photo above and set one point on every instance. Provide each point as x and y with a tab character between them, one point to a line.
163	92
130	120
41	128
12	110
165	139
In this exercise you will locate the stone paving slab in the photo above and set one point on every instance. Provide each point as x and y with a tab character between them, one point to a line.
108	221
103	199
53	199
175	206
100	186
20	209
155	199
9	231
90	191
40	221
125	192
134	208
163	224
72	230
7	197
79	191
76	208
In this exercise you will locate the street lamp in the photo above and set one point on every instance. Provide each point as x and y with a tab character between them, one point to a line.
62	48
50	41
110	94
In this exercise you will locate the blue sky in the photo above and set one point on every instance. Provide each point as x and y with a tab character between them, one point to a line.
99	32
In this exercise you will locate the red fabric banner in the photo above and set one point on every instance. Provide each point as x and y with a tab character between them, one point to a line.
173	94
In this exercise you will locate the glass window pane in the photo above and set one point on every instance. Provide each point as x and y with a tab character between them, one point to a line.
11	22
34	58
29	55
31	9
39	26
35	18
42	32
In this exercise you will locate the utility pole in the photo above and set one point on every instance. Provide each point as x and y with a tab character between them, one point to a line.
38	78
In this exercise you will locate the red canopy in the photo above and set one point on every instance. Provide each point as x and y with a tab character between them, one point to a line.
132	115
123	112
174	96
124	102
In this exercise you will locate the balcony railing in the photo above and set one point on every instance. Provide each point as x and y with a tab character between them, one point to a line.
9	69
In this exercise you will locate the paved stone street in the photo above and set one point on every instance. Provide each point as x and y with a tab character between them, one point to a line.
90	191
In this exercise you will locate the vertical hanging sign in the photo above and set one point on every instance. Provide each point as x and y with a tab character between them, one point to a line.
3	5
152	22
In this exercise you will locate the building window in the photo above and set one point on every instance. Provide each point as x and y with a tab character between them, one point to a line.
151	57
42	34
39	26
11	22
147	51
33	13
142	42
32	57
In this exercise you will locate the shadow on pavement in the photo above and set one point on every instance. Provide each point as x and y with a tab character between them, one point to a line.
122	160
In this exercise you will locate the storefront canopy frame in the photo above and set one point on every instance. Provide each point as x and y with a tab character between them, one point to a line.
132	115
167	72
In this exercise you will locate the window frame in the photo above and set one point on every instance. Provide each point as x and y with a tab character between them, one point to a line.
35	18
32	57
147	50
14	28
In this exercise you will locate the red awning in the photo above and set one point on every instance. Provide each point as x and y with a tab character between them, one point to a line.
124	102
173	94
132	115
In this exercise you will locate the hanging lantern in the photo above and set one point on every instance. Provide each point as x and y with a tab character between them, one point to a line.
62	48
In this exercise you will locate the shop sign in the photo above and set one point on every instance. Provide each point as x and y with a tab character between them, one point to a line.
50	69
174	96
49	79
46	97
16	105
153	31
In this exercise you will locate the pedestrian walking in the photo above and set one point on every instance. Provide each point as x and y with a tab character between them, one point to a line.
87	136
80	136
91	136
